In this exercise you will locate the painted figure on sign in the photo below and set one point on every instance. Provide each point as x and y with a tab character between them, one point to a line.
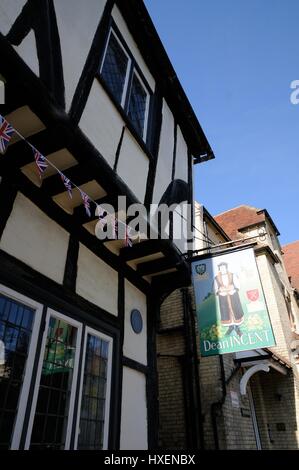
226	286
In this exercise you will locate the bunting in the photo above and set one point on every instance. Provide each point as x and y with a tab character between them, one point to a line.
68	184
6	133
128	239
102	214
42	163
86	202
114	225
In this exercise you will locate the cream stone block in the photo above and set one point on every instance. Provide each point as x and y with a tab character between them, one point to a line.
97	281
32	237
102	123
134	411
135	345
133	166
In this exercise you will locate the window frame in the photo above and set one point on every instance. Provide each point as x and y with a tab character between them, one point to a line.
37	379
132	68
147	104
109	339
129	65
28	371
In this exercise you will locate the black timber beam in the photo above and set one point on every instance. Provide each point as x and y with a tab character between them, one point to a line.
144	248
155	266
77	174
167	283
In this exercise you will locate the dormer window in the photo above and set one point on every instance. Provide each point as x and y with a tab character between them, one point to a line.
124	80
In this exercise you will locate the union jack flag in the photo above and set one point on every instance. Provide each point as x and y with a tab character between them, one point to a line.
41	162
128	239
67	183
114	226
86	202
6	132
102	214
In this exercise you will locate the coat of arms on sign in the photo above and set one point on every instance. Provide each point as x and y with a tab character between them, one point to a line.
201	269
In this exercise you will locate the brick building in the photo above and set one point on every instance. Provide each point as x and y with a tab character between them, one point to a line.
219	402
291	262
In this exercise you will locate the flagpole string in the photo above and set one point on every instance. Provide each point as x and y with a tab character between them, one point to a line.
61	173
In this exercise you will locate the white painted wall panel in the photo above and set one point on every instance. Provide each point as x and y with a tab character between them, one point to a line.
180	234
97	281
101	122
9	11
181	163
135	345
134	411
165	157
133	166
77	23
35	239
120	23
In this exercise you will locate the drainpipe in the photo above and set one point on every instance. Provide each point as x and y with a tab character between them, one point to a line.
216	407
196	372
194	408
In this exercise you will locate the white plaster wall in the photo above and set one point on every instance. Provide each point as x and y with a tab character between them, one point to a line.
180	235
101	122
276	306
35	239
135	345
132	46
133	166
181	163
9	11
165	157
77	23
198	223
133	412
97	281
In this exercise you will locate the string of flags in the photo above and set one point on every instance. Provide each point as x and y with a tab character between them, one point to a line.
42	163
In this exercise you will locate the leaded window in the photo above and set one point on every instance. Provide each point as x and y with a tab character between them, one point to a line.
115	67
16	322
119	73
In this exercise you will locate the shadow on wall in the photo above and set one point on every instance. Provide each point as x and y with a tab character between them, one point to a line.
275	401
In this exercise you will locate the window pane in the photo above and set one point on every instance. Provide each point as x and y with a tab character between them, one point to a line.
137	105
93	394
51	417
115	67
15	334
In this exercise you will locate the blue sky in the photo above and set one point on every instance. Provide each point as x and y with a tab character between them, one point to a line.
236	60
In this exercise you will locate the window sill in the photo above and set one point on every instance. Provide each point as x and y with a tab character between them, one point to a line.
127	121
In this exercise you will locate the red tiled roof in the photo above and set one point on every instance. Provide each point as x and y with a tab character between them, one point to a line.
291	261
239	217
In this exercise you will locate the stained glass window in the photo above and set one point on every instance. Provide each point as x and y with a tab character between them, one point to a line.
91	427
16	321
52	410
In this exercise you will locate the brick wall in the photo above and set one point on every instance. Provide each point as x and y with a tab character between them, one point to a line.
276	305
276	402
171	350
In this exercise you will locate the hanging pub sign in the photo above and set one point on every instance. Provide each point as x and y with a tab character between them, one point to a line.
230	304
